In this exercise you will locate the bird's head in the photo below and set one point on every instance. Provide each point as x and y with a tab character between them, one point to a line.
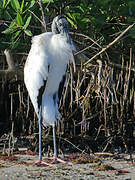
60	26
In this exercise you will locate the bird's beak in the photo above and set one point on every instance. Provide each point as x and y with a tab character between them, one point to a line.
65	32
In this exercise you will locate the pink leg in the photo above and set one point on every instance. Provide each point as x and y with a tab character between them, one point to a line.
55	158
59	160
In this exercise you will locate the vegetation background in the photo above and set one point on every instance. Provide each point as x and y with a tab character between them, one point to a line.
98	107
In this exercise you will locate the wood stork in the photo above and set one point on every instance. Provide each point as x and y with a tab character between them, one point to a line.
45	67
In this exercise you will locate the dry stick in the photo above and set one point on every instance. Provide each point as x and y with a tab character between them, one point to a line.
9	59
36	17
131	92
121	74
12	71
77	88
127	82
11	138
87	37
99	129
108	142
76	147
134	105
105	118
43	16
109	45
121	66
121	109
19	94
28	106
81	51
82	119
71	87
99	71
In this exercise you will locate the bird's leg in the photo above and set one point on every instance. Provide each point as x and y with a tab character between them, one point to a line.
55	158
54	141
40	137
40	162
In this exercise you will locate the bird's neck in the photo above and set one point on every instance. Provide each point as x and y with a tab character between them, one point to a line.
66	36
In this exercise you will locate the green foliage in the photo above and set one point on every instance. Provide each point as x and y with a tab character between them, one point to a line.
95	18
19	16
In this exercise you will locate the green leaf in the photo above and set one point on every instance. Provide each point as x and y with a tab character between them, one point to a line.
27	22
47	1
72	23
16	34
85	20
28	32
9	31
15	4
4	3
11	28
19	19
22	5
29	5
13	24
7	3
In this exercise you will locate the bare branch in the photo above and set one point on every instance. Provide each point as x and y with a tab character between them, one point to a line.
12	72
9	59
109	45
43	16
99	71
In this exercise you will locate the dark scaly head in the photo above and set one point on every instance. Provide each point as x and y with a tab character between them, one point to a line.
60	26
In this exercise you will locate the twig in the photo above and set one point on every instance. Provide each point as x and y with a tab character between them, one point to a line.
81	51
11	138
83	151
99	71
43	16
9	58
36	17
71	87
112	64
128	77
109	45
12	71
85	36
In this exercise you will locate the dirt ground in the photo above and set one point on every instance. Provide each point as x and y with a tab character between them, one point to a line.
97	167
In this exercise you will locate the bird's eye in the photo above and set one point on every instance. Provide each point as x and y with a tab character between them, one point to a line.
60	24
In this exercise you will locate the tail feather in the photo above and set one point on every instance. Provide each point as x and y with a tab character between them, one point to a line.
50	112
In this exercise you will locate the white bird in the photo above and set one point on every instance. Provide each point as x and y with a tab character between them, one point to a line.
45	67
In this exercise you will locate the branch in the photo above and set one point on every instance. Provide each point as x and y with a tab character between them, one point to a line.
9	59
121	67
12	72
99	71
127	29
43	16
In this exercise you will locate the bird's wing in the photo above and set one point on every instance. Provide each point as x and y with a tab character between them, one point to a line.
62	87
36	69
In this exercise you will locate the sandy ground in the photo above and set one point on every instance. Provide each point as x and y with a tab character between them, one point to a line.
20	167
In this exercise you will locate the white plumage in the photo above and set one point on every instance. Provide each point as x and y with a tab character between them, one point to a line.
45	67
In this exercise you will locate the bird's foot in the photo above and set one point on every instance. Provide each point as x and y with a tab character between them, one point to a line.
42	163
59	160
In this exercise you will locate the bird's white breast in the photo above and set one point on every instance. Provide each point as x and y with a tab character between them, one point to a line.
60	59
